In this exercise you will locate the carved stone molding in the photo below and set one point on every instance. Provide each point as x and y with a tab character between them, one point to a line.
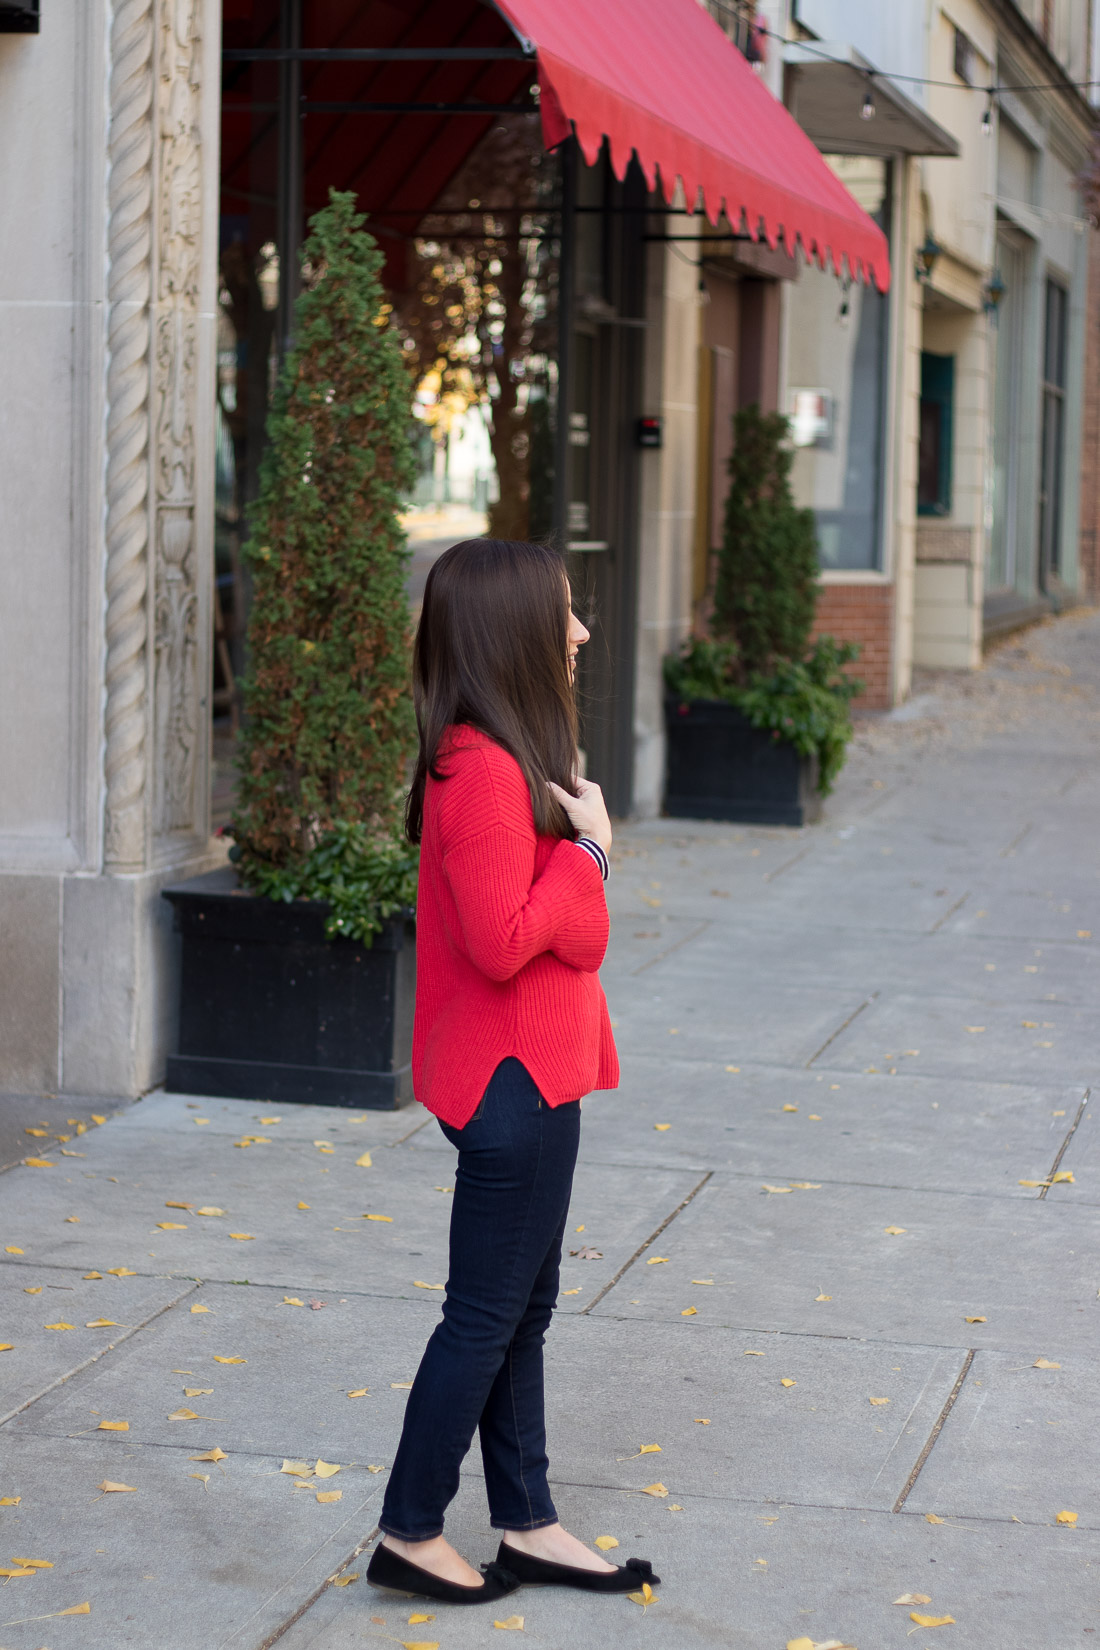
129	248
177	691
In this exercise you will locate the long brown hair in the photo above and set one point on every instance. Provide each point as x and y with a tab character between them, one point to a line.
490	652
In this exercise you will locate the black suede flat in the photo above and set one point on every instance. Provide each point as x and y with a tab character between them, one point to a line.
389	1569
540	1572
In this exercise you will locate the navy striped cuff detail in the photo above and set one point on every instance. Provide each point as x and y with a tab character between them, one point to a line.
597	854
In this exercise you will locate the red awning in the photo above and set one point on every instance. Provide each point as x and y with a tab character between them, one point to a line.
659	79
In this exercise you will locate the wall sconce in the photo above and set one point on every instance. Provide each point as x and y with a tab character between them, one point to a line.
992	294
925	260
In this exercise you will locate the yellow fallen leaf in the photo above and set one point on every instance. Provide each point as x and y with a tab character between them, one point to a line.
214	1454
662	1127
823	1297
363	1162
688	1312
700	1422
11	1249
396	1385
218	1359
418	1644
813	1116
171	1226
977	1320
786	1381
733	1068
1045	1363
914	1598
32	1289
7	1346
173	1203
878	1400
113	1426
200	1120
1084	933
325	1469
510	1621
329	1495
346	1581
197	1391
806	1185
416	1620
242	1237
649	1449
646	1597
292	1300
102	1323
110	1488
11	1572
570	1291
39	1163
299	1469
658	1490
10	1500
1033	1183
418	1285
200	1308
1062	1175
376	1469
894	1231
975	1028
931	1621
59	1325
210	1209
72	1220
39	1134
790	1108
930	1518
120	1272
1066	1518
657	1260
813	1644
750	1354
777	1191
185	1415
387	1218
34	1563
305	1205
702	1280
92	1275
606	1542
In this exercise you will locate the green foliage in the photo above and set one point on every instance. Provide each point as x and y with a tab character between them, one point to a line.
329	723
804	701
364	877
766	588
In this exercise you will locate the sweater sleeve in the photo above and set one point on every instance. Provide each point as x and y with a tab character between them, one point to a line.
507	915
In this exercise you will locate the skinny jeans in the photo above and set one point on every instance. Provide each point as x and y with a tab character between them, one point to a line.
482	1368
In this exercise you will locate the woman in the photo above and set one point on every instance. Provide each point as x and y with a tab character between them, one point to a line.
511	1030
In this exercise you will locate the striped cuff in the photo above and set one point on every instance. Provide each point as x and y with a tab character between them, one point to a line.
597	853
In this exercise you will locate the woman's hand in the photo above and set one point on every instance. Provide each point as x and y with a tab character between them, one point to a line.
586	811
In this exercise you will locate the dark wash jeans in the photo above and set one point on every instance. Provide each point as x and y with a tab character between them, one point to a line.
482	1367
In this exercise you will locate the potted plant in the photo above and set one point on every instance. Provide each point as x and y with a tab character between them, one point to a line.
758	719
297	958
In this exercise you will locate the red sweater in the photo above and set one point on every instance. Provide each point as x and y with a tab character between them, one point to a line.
510	930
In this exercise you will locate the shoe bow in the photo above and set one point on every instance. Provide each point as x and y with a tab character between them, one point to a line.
642	1568
495	1571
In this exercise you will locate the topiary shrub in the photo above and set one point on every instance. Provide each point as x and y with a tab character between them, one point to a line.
758	656
329	720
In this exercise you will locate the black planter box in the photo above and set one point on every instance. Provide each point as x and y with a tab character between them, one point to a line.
721	767
272	1010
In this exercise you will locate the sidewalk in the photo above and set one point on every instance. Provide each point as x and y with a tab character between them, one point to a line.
836	1281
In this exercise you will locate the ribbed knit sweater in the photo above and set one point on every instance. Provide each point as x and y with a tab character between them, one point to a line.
511	928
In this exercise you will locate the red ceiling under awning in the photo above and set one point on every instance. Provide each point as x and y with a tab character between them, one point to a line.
658	78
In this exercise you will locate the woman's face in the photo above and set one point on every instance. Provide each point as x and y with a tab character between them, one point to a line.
576	636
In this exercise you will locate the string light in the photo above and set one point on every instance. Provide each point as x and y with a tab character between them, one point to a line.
868	110
987	114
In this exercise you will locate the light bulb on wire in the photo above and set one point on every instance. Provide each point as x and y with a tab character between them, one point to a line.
868	110
987	115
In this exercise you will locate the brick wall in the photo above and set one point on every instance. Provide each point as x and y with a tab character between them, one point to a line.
862	613
1090	434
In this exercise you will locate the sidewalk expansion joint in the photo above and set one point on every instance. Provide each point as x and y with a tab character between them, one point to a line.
94	1357
675	946
1007	853
770	876
642	1247
936	1430
1062	1148
308	1603
829	1041
958	905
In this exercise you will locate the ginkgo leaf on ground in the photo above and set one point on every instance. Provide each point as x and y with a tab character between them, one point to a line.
1045	1363
102	1323
658	1490
197	1391
113	1426
200	1308
977	1320
1066	1518
34	1563
242	1237
645	1597
689	1312
292	1300
894	1231
172	1203
419	1618
305	1205
185	1415
931	1518
12	1571
418	1644
777	1190
931	1621
606	1542
38	1163
363	1162
418	1285
824	1644
220	1359
360	1392
330	1495
210	1209
1063	1174
171	1226
11	1249
88	1275
110	1488
121	1272
878	1400
346	1581
914	1598
823	1297
511	1621
298	1469
325	1469
10	1500
60	1325
214	1454
786	1381
7	1346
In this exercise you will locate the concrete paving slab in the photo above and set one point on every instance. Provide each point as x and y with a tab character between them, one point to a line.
1081	1158
176	1114
328	1245
1055	911
63	1118
922	1132
288	1398
749	1577
1028	1268
731	1021
950	1036
33	1297
176	1565
1012	1444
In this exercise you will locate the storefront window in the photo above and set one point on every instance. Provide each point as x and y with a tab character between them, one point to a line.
837	344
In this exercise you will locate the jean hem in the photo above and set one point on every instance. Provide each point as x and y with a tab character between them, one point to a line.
403	1535
536	1524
